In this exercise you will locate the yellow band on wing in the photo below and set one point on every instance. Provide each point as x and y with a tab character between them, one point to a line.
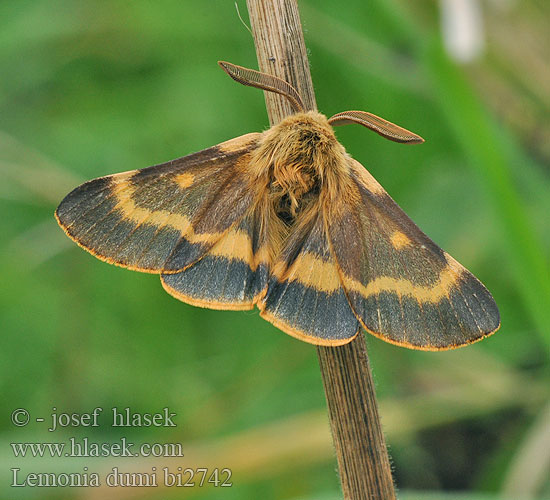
449	276
123	192
314	272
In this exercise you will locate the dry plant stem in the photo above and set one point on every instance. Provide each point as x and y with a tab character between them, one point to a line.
356	429
361	451
281	52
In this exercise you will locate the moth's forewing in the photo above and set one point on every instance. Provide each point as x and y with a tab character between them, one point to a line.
305	297
232	275
400	284
162	218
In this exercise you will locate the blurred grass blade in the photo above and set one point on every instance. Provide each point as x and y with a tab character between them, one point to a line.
531	465
33	174
52	242
364	53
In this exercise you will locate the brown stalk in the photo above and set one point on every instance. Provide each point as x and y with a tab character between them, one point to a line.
359	442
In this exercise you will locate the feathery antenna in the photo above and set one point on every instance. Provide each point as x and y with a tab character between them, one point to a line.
382	127
253	78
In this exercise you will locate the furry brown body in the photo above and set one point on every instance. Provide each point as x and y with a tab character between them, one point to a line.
301	156
302	168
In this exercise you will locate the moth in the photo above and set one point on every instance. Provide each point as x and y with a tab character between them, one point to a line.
285	220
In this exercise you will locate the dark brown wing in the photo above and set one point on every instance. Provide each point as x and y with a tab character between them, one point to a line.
304	295
162	218
231	275
401	285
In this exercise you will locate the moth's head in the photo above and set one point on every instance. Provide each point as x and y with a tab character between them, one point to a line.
310	127
301	137
313	121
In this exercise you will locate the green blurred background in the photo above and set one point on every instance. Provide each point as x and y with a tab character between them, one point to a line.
92	87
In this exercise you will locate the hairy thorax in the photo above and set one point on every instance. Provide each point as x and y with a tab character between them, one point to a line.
300	161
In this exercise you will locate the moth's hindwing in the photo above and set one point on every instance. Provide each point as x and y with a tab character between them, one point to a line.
162	218
305	297
231	275
401	285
